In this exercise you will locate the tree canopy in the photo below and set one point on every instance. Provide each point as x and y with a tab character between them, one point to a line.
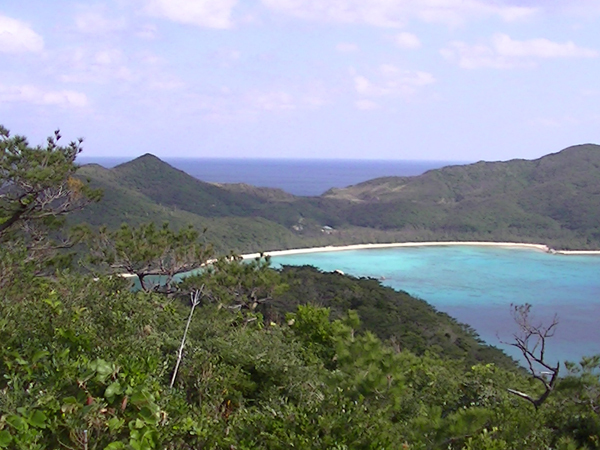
37	184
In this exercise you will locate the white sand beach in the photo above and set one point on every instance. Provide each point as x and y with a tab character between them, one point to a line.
341	248
331	248
577	252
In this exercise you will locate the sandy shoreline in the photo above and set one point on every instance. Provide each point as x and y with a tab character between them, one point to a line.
341	248
331	248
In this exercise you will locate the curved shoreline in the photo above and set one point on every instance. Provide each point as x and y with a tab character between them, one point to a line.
339	248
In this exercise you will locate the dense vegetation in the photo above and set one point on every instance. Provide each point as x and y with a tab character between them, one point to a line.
395	317
553	200
240	356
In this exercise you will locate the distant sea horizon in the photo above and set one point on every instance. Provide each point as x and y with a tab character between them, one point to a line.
303	177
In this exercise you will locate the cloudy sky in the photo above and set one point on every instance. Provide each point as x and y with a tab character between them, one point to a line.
377	79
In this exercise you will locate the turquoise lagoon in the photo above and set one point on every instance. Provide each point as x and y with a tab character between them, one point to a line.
476	285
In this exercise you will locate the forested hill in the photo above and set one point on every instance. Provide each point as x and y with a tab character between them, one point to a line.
393	316
236	217
553	200
572	169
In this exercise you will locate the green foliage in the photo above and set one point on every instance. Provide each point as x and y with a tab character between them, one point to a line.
86	363
552	200
149	251
37	188
37	184
82	354
314	329
403	321
147	189
236	284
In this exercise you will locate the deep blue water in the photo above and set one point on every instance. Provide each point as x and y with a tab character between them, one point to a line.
477	285
298	177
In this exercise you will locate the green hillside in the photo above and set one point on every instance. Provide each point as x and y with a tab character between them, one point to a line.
394	316
122	203
553	200
236	217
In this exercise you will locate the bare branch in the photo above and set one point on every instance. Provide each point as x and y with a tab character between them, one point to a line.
531	342
195	300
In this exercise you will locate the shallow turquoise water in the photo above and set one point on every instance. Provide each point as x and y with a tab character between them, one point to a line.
476	285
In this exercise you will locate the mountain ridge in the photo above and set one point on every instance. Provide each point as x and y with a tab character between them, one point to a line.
553	200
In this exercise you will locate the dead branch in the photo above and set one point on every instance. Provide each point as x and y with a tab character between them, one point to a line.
531	341
195	300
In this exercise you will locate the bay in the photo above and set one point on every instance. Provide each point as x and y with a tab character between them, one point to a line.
477	285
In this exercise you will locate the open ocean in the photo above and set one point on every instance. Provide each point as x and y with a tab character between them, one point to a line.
304	177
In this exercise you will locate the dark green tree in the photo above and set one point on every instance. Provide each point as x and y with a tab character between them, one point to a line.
150	251
37	184
37	189
233	283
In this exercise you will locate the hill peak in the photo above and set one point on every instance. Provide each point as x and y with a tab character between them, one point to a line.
147	160
147	155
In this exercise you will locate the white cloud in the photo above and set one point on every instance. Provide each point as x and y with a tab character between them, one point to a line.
505	52
366	105
151	59
203	13
346	47
95	22
477	56
37	96
392	81
231	104
108	57
271	101
394	13
167	84
539	48
314	100
407	40
18	37
576	8
226	104
84	66
590	92
147	31
126	73
557	122
226	57
456	12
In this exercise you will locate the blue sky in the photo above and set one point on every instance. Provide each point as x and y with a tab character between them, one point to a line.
375	79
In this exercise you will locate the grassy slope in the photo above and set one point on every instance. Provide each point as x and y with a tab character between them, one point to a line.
169	186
